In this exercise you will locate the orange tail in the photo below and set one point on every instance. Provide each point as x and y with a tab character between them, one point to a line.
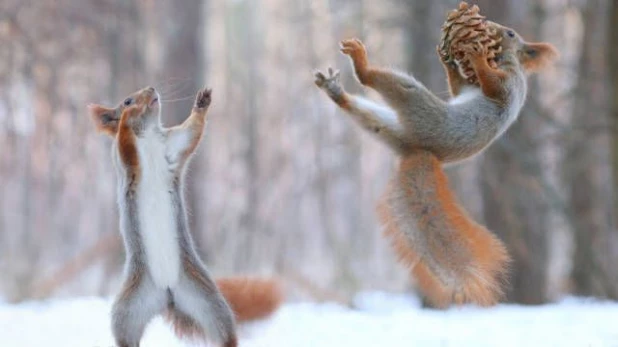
251	298
454	259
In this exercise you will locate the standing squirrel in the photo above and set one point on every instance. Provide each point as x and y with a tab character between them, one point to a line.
454	259
163	272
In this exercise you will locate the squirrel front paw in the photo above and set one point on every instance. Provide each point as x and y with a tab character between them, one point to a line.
475	50
203	98
445	59
331	83
355	49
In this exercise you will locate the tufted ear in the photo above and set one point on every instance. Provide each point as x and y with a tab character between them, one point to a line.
105	119
537	56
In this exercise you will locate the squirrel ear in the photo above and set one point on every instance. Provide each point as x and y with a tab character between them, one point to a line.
104	119
537	56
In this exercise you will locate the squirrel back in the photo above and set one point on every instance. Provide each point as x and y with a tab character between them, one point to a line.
453	258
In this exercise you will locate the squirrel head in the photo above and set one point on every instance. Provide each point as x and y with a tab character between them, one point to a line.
107	119
533	56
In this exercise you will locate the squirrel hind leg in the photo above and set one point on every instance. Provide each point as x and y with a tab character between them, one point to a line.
138	302
481	286
436	292
199	309
456	261
184	326
188	328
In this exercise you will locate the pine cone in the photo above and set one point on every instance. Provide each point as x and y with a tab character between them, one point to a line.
465	26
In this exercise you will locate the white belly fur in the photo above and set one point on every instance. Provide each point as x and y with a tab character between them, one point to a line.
156	213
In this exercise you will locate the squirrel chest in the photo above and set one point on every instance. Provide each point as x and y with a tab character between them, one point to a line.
156	213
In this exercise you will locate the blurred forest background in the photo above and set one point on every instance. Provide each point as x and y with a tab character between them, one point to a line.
284	183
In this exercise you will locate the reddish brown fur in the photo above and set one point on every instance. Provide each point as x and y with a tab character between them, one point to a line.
251	298
104	119
127	145
367	74
472	258
492	80
344	101
107	119
534	57
544	55
355	49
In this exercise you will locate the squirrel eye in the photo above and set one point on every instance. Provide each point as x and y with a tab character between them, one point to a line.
511	33
128	101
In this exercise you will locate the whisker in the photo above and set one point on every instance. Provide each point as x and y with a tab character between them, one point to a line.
174	89
169	88
176	100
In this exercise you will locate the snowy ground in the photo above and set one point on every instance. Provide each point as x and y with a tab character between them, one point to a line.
380	320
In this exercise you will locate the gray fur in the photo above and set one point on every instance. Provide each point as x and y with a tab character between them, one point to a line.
196	298
202	302
452	131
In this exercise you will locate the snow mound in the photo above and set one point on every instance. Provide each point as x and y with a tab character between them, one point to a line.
379	319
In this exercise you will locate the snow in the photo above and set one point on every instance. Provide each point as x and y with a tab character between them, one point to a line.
379	319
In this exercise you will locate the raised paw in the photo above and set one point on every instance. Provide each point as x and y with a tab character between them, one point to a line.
442	55
445	59
330	83
203	98
353	47
356	50
475	50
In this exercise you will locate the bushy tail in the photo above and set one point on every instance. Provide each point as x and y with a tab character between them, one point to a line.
251	298
454	259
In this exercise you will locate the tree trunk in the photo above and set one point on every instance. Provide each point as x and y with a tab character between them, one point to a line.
183	59
593	271
515	207
612	47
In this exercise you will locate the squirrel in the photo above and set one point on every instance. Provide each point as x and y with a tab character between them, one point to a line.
163	272
453	259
